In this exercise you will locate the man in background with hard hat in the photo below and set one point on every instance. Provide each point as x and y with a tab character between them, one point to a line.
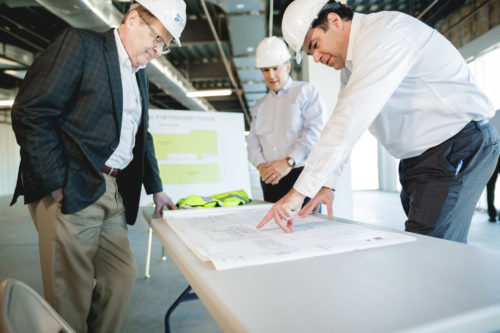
81	119
412	89
286	122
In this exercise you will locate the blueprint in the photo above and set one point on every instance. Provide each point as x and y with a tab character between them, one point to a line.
228	238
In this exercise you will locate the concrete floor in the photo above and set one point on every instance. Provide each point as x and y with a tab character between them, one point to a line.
150	299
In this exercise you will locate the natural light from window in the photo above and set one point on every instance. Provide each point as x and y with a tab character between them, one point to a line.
364	166
486	70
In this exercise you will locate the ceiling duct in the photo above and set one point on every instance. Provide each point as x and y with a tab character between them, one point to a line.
99	15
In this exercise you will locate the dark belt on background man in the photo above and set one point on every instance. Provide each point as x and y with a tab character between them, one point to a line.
110	171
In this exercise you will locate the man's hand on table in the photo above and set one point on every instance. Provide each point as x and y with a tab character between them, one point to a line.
324	196
57	195
161	199
285	210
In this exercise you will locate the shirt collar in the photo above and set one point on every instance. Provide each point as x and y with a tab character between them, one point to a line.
123	57
283	89
355	27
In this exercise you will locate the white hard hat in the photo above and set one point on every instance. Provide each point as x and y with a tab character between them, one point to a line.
297	22
271	51
171	13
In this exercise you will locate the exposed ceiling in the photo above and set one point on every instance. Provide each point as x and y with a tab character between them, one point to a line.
429	11
27	26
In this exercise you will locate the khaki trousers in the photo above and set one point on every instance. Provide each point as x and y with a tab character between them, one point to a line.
88	270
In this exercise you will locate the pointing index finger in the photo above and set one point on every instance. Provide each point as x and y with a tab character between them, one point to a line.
266	218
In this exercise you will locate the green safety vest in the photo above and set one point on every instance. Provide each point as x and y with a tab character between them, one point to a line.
228	199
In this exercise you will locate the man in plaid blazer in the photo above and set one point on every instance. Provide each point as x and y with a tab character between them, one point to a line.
81	120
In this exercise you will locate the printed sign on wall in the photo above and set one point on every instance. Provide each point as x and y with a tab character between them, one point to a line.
199	153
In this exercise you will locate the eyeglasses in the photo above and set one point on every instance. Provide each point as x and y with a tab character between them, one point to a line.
158	41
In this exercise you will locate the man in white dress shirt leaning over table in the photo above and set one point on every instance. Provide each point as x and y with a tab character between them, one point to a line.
412	89
286	122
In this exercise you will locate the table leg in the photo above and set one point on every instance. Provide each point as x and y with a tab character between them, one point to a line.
184	296
148	253
163	256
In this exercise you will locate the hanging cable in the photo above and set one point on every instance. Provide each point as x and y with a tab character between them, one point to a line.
427	9
226	62
271	15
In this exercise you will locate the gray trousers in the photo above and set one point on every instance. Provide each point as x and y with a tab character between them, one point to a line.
439	193
88	270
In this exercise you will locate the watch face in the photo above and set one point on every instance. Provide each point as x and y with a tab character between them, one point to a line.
291	162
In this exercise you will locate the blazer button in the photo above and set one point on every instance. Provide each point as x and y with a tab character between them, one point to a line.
112	148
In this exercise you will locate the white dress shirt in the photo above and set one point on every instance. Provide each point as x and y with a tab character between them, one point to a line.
406	83
132	110
287	123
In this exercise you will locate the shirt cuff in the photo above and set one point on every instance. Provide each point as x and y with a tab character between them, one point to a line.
332	182
307	185
258	161
297	157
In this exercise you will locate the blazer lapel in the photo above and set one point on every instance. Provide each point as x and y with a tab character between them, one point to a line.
115	80
143	88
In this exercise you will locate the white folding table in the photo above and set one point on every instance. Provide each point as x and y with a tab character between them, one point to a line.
429	285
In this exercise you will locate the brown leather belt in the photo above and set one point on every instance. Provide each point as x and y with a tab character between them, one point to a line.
110	171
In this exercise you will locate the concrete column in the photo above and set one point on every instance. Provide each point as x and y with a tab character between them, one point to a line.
9	163
387	170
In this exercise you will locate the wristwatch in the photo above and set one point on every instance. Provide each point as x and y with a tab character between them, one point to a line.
290	161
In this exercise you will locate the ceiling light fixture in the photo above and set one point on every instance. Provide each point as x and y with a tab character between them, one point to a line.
6	103
17	73
9	62
209	93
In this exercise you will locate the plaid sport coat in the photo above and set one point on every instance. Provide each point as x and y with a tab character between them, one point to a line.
67	120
